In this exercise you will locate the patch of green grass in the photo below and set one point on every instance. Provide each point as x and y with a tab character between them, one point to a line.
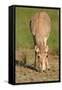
23	34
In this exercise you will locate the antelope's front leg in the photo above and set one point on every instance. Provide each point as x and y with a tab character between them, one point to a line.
47	63
39	64
35	59
36	55
46	58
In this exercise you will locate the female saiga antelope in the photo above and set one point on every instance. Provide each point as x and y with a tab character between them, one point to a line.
40	25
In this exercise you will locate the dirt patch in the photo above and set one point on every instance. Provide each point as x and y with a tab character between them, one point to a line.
26	74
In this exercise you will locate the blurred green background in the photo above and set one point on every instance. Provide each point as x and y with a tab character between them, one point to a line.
23	35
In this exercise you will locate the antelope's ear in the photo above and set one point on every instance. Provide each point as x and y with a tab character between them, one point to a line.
45	41
36	49
46	49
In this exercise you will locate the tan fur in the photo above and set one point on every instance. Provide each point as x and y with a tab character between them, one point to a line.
40	28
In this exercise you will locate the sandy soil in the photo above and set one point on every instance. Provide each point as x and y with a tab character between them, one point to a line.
26	73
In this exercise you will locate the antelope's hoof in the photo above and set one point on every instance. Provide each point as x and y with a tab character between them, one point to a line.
43	70
48	68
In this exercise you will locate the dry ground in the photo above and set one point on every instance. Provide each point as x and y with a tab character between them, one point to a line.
25	74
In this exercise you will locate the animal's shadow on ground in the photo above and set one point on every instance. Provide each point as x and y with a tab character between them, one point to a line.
30	66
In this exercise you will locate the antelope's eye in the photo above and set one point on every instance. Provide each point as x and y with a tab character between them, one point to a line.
47	56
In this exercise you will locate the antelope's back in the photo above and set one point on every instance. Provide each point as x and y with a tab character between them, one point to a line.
40	24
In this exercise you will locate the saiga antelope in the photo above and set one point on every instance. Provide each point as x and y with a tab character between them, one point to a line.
40	26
